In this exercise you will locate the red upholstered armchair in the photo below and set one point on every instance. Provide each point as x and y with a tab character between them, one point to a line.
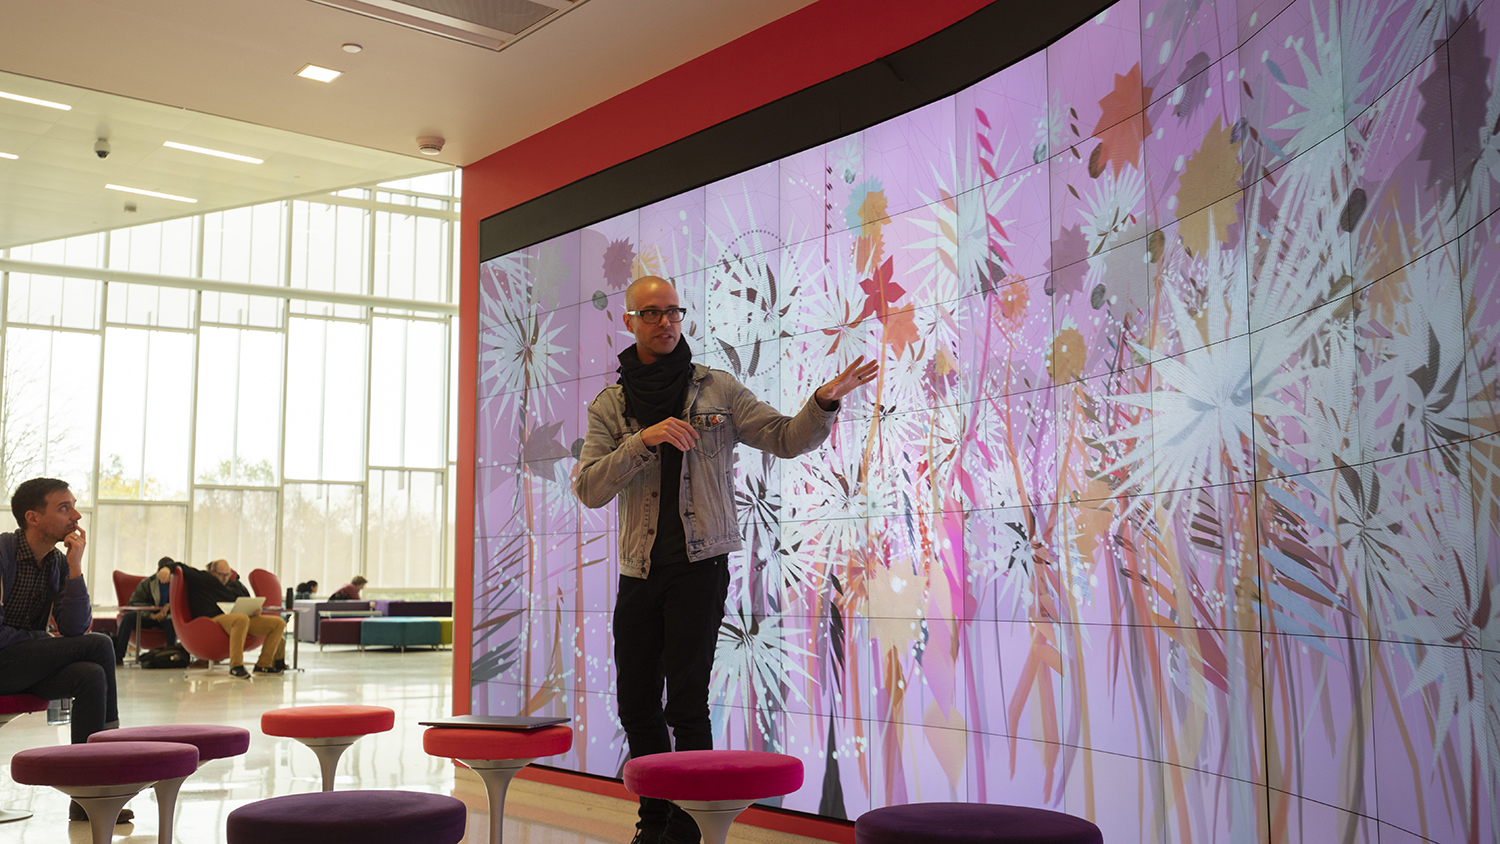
266	585
125	585
203	637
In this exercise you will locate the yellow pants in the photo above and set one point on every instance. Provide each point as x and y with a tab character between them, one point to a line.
238	626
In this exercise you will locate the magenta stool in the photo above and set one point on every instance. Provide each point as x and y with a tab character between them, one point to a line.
496	756
212	741
327	730
972	823
12	707
103	777
349	817
713	786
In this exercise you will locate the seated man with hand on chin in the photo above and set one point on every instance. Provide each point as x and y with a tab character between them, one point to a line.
206	589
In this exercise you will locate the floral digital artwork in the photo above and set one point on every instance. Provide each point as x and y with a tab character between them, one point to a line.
1176	503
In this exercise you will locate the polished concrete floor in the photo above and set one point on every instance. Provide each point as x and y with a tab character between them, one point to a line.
417	684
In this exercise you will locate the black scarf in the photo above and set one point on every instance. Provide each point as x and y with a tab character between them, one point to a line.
654	391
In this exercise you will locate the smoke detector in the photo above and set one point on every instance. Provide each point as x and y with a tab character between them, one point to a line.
430	144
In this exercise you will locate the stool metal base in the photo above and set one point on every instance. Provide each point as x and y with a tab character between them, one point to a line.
496	774
102	803
714	817
328	750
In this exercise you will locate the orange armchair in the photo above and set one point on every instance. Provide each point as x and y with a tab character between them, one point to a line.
203	637
267	585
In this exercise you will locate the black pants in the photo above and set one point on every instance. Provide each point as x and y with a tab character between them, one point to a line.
128	624
57	667
666	627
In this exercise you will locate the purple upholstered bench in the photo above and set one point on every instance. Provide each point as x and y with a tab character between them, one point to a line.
349	817
327	730
972	823
496	756
339	631
212	741
713	786
103	777
12	707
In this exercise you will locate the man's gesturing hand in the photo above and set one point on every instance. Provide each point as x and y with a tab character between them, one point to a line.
858	374
670	430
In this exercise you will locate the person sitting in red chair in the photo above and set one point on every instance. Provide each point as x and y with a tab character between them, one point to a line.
205	589
150	592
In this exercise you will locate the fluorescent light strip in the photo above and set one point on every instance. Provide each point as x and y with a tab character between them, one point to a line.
142	192
321	74
34	101
9	155
216	153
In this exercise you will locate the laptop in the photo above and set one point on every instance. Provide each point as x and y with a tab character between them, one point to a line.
495	722
243	606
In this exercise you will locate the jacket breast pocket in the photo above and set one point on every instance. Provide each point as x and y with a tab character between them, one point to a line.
715	432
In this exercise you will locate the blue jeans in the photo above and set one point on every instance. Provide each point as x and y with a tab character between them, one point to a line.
77	667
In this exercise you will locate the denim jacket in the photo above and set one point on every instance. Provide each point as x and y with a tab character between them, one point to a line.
615	462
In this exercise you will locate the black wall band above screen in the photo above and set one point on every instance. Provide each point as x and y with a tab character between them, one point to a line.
987	41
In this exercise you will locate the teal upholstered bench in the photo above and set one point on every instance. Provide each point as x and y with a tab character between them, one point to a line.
400	632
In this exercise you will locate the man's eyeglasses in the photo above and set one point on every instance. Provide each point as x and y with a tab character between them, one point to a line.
652	316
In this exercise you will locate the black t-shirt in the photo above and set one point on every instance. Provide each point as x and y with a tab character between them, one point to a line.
671	539
204	591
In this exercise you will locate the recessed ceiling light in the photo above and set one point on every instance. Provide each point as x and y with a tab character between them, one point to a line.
9	155
144	192
214	152
34	101
352	48
321	74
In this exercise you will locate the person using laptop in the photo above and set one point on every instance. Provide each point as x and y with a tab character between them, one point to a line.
218	584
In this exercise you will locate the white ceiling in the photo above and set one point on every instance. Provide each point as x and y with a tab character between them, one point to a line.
221	74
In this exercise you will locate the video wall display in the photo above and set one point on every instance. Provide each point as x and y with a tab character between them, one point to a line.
1175	502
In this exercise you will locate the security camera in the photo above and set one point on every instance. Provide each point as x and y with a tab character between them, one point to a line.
101	148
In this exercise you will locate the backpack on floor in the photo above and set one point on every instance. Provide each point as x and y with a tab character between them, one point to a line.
168	656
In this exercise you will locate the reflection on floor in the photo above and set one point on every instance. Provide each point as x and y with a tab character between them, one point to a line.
417	684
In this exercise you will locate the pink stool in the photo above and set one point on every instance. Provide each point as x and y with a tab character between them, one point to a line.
496	756
327	730
713	786
12	707
212	741
103	777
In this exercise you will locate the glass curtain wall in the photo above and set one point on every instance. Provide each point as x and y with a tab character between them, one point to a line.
312	437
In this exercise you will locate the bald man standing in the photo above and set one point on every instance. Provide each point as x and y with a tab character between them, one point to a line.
662	441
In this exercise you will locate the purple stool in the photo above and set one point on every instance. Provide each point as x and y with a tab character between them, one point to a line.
212	741
713	786
367	817
103	777
972	823
496	756
12	707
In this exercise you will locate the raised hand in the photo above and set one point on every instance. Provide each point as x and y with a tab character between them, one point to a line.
857	374
671	430
75	542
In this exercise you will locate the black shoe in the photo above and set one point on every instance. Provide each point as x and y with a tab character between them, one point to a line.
76	813
279	665
644	836
272	670
238	672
